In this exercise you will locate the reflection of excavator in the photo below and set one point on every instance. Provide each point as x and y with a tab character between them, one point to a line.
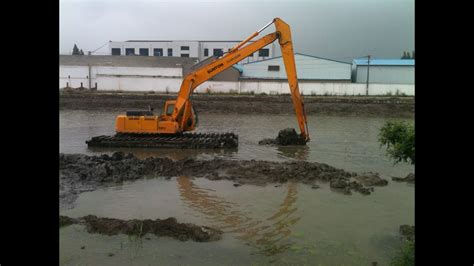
144	129
269	235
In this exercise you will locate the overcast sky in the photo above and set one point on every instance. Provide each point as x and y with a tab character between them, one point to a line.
337	29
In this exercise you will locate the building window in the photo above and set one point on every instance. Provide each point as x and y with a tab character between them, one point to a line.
264	52
217	52
143	51
251	55
170	52
273	68
129	51
185	48
115	51
158	52
206	52
184	55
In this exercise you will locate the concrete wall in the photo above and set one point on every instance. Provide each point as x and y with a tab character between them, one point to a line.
326	88
386	74
122	78
306	88
307	67
73	75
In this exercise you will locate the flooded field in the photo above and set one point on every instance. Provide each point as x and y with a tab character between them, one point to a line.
284	224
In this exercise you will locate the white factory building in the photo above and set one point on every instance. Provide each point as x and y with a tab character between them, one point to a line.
308	67
384	71
163	74
191	48
123	73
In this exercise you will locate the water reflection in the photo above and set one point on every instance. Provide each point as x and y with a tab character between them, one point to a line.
295	152
270	236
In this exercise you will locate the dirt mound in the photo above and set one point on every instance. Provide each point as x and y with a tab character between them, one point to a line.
287	136
410	178
371	179
167	227
254	104
79	173
65	221
407	232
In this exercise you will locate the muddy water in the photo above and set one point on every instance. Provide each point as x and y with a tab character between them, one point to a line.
286	225
343	142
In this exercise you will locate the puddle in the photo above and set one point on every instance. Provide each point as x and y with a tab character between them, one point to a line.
292	223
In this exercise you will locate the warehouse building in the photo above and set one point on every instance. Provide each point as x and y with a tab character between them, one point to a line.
192	48
316	76
384	71
308	67
130	73
123	73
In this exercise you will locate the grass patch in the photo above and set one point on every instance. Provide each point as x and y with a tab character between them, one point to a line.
406	256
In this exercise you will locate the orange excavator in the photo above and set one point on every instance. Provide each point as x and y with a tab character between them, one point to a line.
144	129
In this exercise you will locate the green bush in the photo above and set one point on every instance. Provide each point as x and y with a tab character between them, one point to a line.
399	139
406	256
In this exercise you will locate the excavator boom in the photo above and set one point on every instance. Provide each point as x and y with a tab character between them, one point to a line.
237	54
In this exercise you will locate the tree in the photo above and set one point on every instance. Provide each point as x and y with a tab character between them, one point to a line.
406	55
399	139
75	50
81	52
413	55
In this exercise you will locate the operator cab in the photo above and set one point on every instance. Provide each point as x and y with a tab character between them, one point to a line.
168	108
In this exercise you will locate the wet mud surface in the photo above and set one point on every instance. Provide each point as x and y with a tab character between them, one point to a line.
166	227
287	136
410	178
244	104
407	232
79	173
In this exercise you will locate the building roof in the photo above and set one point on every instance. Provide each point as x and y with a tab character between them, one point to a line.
298	54
385	62
239	68
183	41
127	61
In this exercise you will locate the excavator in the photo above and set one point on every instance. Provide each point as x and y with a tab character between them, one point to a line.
171	129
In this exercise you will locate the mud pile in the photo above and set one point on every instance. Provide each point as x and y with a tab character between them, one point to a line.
167	227
410	178
287	136
79	172
407	232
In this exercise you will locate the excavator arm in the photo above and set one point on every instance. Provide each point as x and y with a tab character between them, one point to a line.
182	105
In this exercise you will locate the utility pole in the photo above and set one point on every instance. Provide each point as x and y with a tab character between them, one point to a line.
90	77
368	67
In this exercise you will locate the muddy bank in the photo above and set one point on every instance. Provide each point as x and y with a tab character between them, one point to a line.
167	227
244	104
410	178
407	232
79	172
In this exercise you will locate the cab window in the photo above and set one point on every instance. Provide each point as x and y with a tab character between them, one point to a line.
169	110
